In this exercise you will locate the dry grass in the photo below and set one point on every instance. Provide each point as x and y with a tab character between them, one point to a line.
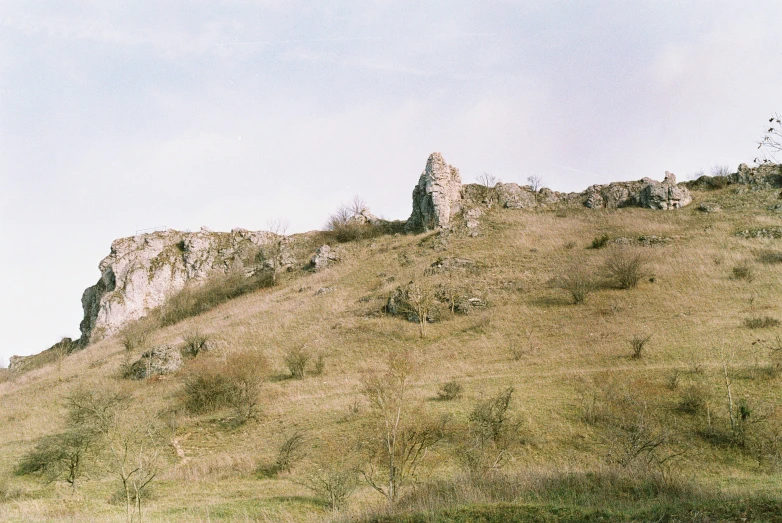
693	307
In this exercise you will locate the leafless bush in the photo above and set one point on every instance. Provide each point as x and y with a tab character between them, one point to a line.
637	344
235	383
487	180
771	143
291	451
348	222
333	480
760	322
296	359
195	342
720	170
626	266
743	272
577	281
450	391
136	336
490	432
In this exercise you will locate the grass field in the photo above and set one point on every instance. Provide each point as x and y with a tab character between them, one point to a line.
583	411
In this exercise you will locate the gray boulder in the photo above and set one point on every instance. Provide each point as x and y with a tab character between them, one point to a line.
161	360
645	193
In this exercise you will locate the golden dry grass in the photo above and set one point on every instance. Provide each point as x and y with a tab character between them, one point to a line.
693	309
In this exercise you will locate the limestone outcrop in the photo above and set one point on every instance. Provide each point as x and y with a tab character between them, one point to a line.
646	193
437	197
764	175
142	271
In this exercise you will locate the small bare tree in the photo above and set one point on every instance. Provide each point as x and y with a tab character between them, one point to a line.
402	445
771	143
535	182
135	450
420	300
487	180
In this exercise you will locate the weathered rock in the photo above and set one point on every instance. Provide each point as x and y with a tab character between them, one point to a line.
769	233
766	175
437	197
142	271
18	363
708	207
323	257
157	361
646	193
512	196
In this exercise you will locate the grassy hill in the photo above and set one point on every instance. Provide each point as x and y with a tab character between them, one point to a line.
591	432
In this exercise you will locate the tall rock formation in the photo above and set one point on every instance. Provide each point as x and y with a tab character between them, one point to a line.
143	271
437	197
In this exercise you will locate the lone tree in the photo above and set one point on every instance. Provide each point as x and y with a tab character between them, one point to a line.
771	143
402	444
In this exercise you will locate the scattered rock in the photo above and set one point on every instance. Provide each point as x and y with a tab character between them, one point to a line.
323	257
770	233
437	197
157	361
450	264
708	207
324	290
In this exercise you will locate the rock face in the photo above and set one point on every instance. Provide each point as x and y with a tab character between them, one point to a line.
764	175
646	193
437	197
142	271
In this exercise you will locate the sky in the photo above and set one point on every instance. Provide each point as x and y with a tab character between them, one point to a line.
122	116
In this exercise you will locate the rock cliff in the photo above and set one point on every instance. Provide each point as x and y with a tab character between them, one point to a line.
142	271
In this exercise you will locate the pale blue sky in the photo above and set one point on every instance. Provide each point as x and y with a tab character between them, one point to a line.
232	113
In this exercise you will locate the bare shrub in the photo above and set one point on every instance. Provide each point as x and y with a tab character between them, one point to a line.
332	479
600	241
760	322
771	143
400	445
296	359
638	343
720	170
450	390
136	336
349	223
743	272
535	183
235	383
770	257
577	281
626	266
195	342
693	400
487	180
489	436
291	451
58	456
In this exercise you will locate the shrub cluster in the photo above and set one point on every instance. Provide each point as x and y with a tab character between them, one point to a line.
234	383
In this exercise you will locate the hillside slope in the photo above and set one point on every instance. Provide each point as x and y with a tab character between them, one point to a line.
708	301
